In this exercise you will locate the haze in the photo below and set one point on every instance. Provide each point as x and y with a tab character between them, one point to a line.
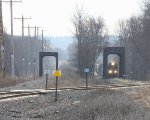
56	15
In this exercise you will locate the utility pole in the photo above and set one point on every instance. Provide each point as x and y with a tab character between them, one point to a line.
34	50
29	41
42	40
23	57
36	29
29	53
12	42
37	50
42	37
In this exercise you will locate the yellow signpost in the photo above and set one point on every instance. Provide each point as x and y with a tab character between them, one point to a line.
57	73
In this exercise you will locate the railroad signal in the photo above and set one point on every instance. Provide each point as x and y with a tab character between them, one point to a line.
41	55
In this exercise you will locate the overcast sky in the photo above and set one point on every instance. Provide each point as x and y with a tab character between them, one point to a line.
55	15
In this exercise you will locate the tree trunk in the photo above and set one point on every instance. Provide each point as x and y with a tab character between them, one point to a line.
1	43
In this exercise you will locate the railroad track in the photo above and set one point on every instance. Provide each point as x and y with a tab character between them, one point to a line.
108	86
4	95
15	94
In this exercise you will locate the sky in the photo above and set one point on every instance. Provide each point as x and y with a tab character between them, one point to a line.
55	16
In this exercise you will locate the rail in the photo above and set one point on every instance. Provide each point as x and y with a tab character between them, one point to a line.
4	95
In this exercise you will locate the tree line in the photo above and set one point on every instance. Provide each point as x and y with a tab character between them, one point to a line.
134	34
92	37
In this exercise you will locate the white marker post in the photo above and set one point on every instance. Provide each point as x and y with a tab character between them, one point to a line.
46	72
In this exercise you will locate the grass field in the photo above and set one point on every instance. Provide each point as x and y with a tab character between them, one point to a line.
106	105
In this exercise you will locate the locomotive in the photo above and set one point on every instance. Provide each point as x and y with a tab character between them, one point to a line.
112	70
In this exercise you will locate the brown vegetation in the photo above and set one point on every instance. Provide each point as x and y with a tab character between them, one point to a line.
140	95
134	35
105	105
70	78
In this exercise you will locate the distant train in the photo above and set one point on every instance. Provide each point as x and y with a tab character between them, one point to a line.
112	70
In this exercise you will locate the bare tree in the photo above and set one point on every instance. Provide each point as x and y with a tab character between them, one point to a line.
91	36
129	33
134	35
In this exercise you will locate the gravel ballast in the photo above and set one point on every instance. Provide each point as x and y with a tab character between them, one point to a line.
41	106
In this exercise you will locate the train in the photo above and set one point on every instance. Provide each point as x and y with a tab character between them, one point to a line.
112	69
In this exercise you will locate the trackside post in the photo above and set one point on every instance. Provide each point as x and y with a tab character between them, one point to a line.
86	71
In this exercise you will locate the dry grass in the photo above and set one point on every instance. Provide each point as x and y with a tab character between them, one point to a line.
70	78
8	81
106	105
127	81
140	95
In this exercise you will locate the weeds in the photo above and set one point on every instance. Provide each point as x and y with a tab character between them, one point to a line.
107	105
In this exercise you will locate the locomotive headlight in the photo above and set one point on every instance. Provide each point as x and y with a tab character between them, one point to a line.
113	63
110	71
115	71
